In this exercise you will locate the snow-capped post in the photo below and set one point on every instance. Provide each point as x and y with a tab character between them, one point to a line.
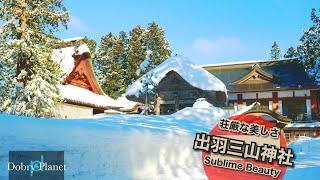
148	89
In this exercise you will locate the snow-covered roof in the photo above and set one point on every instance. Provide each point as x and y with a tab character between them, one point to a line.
85	97
73	39
64	56
244	62
307	124
126	104
193	74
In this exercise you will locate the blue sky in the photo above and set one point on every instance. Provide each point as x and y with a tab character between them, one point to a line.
206	32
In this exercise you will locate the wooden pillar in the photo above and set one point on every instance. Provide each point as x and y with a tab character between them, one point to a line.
275	102
157	106
314	104
239	97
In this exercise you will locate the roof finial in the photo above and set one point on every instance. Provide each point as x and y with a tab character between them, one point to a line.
256	65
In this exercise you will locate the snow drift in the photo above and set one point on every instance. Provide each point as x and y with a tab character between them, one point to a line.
307	159
115	146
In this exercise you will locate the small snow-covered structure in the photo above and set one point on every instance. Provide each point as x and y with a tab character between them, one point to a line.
81	91
178	83
128	106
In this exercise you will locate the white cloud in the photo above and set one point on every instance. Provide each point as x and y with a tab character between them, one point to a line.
76	24
223	45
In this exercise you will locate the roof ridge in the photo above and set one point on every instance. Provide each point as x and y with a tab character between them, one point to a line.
245	62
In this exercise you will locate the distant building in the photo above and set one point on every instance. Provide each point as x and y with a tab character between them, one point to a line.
280	85
179	83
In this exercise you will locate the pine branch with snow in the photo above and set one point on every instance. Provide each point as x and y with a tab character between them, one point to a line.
29	76
309	49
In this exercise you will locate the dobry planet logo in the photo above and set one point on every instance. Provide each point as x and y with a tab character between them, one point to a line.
36	165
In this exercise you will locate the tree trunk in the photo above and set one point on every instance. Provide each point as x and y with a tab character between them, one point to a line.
23	61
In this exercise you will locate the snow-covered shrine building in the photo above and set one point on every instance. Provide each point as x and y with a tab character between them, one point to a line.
282	86
178	83
81	91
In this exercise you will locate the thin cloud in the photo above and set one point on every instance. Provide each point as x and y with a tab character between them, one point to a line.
223	45
76	24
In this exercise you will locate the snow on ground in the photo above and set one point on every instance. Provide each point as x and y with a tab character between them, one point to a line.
123	146
115	146
193	74
79	94
308	124
307	160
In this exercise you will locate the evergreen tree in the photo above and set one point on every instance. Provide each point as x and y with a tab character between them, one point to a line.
29	77
158	45
110	62
137	51
130	56
309	49
291	53
275	52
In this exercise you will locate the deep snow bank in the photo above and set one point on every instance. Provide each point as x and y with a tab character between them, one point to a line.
115	146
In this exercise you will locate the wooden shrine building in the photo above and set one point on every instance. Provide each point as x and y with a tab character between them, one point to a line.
179	83
81	91
282	86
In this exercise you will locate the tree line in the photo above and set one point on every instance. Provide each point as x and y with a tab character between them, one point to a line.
308	51
29	77
122	59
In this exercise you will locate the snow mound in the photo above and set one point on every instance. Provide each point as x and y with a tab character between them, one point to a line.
193	74
75	93
202	103
202	111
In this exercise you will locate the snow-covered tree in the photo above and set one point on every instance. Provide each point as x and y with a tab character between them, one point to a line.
275	52
137	47
122	59
28	75
291	53
157	45
309	49
110	62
